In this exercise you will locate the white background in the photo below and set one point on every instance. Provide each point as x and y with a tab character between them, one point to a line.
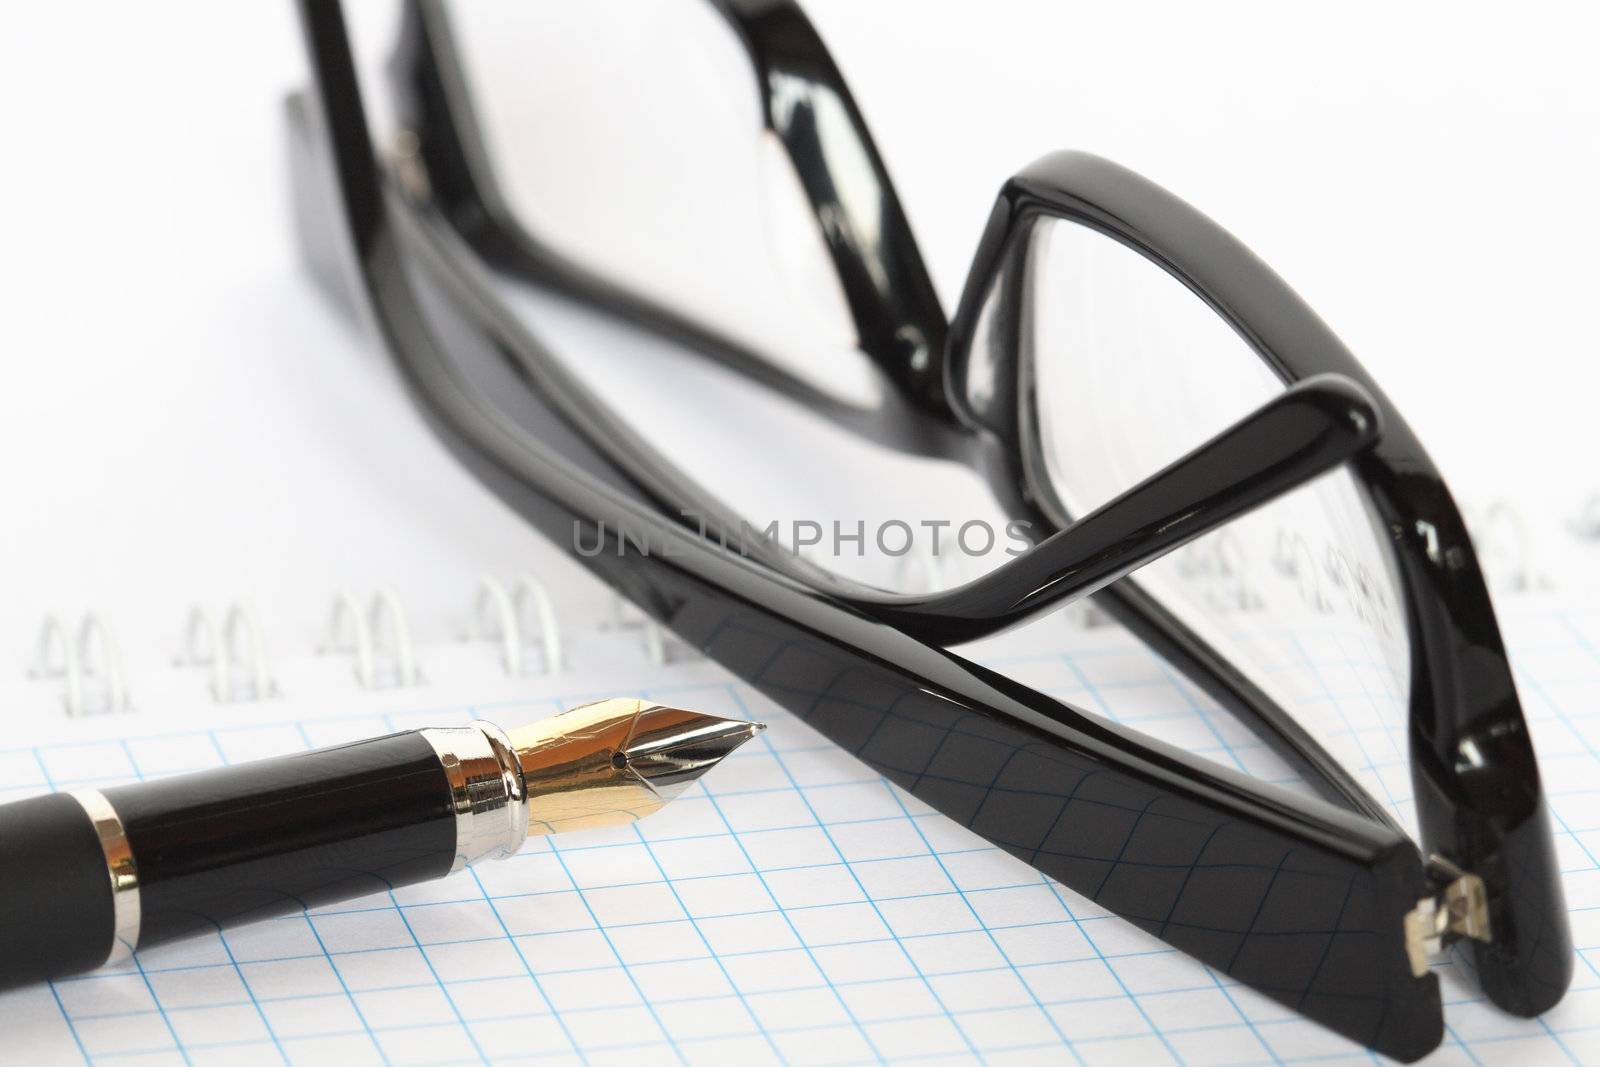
184	418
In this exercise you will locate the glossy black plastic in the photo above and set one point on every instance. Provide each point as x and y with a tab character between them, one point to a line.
1311	428
1486	816
559	455
222	847
434	102
1479	799
1296	897
896	312
55	891
1191	497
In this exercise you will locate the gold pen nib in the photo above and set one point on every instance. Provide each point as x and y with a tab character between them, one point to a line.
614	761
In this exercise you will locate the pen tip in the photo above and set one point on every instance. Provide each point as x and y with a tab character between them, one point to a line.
614	761
669	748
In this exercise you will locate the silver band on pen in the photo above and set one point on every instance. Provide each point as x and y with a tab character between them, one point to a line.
120	866
486	790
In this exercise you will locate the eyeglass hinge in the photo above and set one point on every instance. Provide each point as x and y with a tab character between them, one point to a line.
1458	909
404	155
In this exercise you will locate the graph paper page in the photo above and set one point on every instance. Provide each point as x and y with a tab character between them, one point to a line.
793	907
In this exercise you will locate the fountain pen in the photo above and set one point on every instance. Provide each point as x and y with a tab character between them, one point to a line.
88	876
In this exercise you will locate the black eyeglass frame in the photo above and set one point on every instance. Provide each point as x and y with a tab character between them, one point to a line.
1501	823
1479	796
1501	834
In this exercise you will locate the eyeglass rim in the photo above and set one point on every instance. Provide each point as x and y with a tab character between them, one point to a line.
1502	655
1462	691
1445	614
435	101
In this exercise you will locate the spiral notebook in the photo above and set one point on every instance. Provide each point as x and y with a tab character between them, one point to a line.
792	908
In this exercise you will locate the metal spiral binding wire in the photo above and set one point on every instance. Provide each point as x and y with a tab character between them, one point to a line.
379	637
90	665
1586	523
500	616
1292	557
660	647
1505	549
495	619
1233	571
625	615
222	649
1221	568
202	647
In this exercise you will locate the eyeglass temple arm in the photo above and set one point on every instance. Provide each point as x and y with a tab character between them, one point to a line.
1313	427
808	106
433	102
805	104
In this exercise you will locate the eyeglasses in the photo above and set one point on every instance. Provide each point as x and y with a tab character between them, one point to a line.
1103	328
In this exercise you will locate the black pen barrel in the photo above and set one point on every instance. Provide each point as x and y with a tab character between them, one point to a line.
55	892
91	876
241	843
86	877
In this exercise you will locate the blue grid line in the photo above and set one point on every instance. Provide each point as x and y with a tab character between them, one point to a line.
694	924
677	1052
422	904
917	821
849	983
1366	754
736	954
161	1010
1097	1039
569	698
1555	706
77	1039
453	713
355	1006
766	887
1583	642
119	779
222	938
919	1058
455	1009
1103	1039
1060	893
833	844
1561	823
1399	707
1196	710
145	978
1011	966
1199	710
522	957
